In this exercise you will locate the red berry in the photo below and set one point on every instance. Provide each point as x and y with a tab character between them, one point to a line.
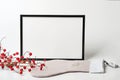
41	66
17	53
21	69
12	68
22	57
0	61
14	54
2	66
19	61
2	57
32	66
4	50
29	70
17	58
33	61
24	67
5	61
21	72
30	54
3	54
11	56
9	60
17	66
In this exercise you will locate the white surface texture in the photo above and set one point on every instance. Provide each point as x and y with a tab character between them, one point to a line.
53	37
102	31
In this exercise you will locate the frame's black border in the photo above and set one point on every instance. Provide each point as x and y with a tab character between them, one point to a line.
21	35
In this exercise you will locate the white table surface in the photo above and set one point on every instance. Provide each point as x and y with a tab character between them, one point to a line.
110	52
111	74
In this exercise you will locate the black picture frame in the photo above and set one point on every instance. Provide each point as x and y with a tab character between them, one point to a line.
83	34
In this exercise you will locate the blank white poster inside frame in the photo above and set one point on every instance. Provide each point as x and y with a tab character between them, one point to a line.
53	36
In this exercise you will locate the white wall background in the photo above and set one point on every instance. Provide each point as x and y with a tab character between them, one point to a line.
102	27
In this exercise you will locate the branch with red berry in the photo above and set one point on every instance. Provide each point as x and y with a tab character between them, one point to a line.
13	62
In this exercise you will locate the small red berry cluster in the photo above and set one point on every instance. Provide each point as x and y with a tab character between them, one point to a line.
14	62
